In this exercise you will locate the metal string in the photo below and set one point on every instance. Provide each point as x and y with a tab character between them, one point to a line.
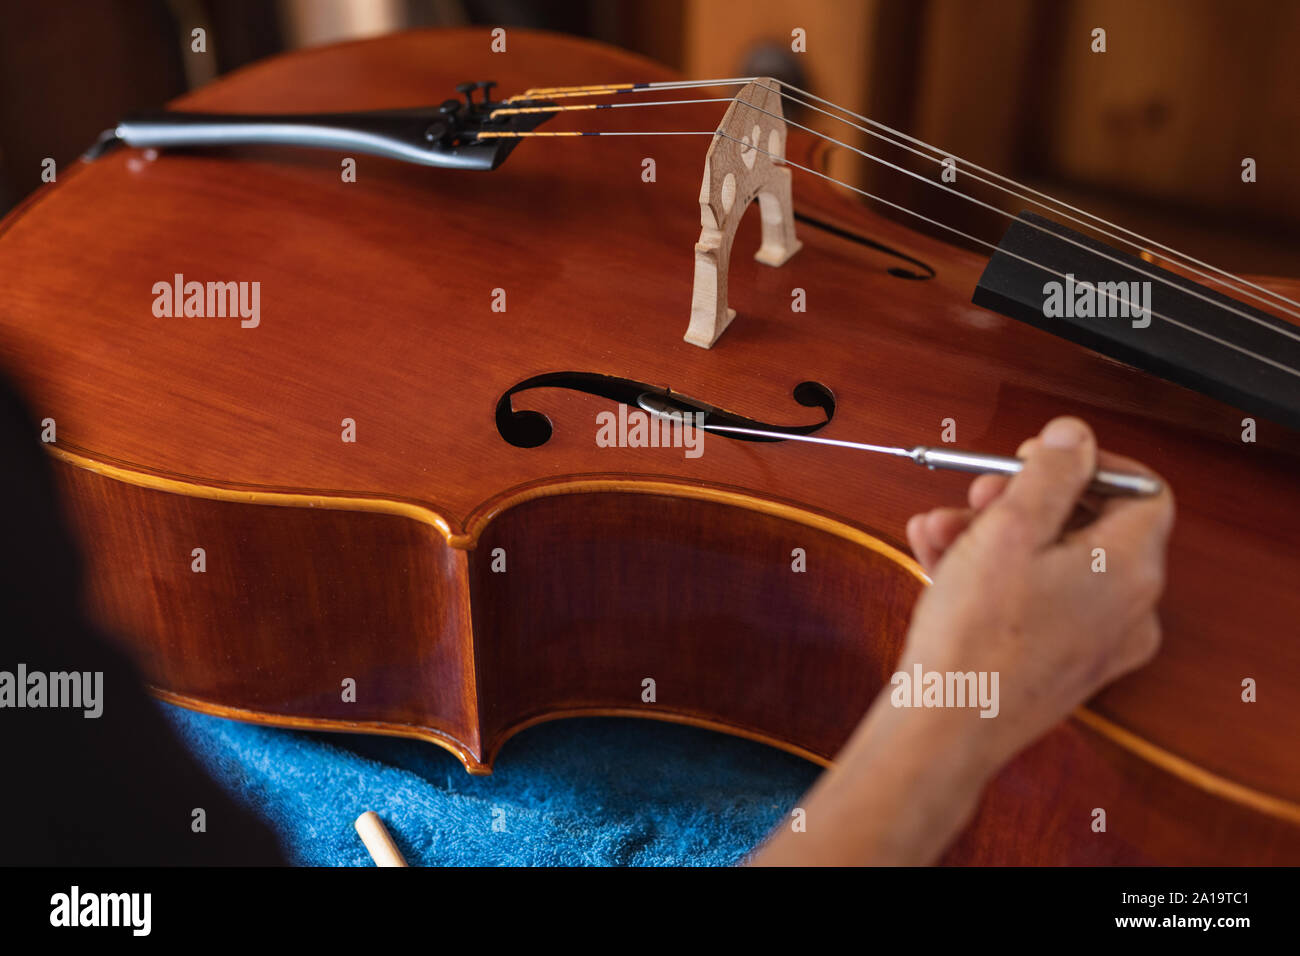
1001	212
1188	262
1294	334
967	236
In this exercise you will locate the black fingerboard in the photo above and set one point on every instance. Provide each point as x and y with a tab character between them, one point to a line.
1013	287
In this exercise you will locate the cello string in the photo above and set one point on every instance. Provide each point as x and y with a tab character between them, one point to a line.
1189	262
1289	333
1024	259
576	107
1200	269
594	90
1144	240
1150	275
605	89
893	205
658	85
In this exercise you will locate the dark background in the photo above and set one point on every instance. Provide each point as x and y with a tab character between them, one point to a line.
1150	134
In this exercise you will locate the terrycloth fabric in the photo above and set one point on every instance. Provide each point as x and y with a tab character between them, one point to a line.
592	791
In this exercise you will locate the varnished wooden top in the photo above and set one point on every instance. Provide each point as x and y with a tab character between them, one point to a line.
376	306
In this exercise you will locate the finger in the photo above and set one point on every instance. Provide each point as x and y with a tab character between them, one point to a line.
1134	532
943	526
1093	504
1027	446
932	533
1090	505
1133	514
1132	538
1038	501
1113	462
985	490
1105	459
920	542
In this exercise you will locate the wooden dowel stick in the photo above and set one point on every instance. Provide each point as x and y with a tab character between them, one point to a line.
375	836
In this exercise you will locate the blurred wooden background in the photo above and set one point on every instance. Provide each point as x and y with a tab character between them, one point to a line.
1151	133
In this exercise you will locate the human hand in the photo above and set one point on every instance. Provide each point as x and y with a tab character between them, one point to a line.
1017	591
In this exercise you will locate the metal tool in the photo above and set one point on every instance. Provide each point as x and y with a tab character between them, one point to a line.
952	459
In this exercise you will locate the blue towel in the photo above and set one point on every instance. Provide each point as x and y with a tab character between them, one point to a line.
581	792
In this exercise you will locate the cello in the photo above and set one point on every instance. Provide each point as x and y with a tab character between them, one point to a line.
380	466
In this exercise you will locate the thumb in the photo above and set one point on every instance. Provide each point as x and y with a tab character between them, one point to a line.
1057	470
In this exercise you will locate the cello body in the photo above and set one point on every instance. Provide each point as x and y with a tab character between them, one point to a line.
255	560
